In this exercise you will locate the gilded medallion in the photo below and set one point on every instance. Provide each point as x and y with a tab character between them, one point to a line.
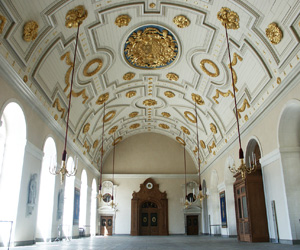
113	130
181	21
191	117
149	102
102	98
208	72
198	99
75	16
213	128
180	140
122	20
169	94
128	76
164	126
30	31
278	80
86	128
172	77
95	144
133	114
109	116
116	141
229	18
202	143
134	126
165	114
130	94
150	47
185	130
86	71
274	33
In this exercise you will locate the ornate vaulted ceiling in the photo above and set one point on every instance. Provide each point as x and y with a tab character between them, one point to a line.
150	61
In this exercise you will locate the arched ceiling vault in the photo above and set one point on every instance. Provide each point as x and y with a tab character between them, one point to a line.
149	61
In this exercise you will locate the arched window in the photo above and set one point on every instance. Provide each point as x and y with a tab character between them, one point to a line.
93	208
13	141
83	203
46	194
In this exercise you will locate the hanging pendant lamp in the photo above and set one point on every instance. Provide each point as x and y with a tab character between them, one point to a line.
100	196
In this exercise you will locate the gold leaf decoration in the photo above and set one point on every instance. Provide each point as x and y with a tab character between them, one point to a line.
68	62
55	117
152	5
190	116
185	130
213	128
213	145
95	144
130	94
229	18
242	109
113	130
246	117
117	140
233	63
25	78
218	93
30	31
169	94
149	48
197	99
211	63
202	143
109	116
164	126
86	146
274	33
134	126
195	150
75	17
278	80
89	64
86	128
122	20
149	102
3	21
82	92
181	21
59	108
102	98
172	77
133	114
128	76
165	114
180	140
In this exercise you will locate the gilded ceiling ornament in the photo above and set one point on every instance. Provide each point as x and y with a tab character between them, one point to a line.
25	78
195	150
228	17
117	140
150	48
95	144
122	20
224	94
70	63
172	77
130	94
149	102
213	128
109	116
213	145
75	17
165	114
181	21
3	21
113	130
242	109
202	143
134	126
30	31
128	76
190	116
86	146
133	114
169	94
152	5
246	117
59	108
185	130
164	126
211	63
86	128
233	63
274	33
180	140
55	117
102	98
82	92
197	99
89	64
278	80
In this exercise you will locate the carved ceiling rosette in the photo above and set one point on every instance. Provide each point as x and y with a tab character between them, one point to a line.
274	33
150	47
75	16
229	17
30	31
128	76
122	20
149	102
181	21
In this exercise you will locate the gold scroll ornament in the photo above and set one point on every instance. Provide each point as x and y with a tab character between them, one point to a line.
122	20
134	126
109	116
130	94
3	21
102	98
75	17
133	114
113	130
213	128
188	115
180	140
88	73
164	126
242	109
274	33
197	99
82	92
172	77
149	102
128	76
181	21
224	94
211	63
59	108
229	17
213	145
30	31
185	130
169	94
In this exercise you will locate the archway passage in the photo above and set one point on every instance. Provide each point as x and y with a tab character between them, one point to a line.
149	210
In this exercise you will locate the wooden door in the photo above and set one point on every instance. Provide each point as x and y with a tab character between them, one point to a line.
192	224
242	213
149	219
106	225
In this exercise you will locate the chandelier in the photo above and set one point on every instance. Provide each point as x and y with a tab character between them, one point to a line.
74	18
100	196
230	20
115	142
187	203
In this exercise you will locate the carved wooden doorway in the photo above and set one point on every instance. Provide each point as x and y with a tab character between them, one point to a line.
192	224
106	225
149	210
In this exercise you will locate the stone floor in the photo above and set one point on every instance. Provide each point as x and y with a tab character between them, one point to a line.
155	242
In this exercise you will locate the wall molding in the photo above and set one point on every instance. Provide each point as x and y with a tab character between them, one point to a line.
34	150
146	176
269	158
